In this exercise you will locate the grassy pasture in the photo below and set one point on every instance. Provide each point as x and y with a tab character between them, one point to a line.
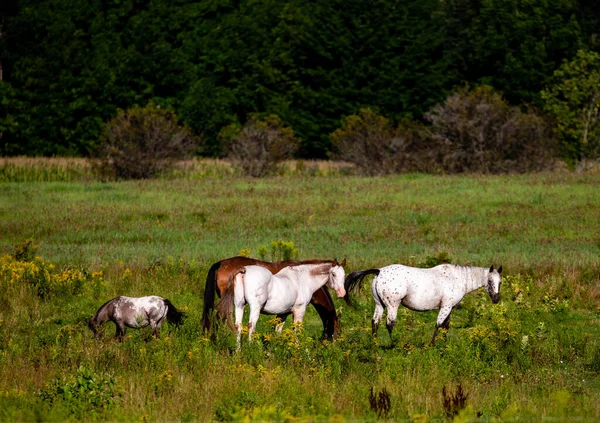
535	355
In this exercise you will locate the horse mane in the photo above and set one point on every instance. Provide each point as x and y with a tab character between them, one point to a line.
225	307
173	315
102	308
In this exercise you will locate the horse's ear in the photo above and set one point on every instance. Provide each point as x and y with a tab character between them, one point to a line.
500	269
343	263
492	268
335	262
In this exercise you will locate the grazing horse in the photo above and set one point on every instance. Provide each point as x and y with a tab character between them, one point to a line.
441	287
135	313
288	291
218	276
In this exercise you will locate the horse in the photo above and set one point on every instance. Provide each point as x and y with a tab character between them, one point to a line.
441	287
288	291
218	276
135	313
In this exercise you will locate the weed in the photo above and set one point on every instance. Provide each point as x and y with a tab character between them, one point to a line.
380	403
440	257
453	403
83	392
278	250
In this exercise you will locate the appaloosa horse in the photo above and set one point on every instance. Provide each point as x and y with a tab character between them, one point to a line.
135	313
441	287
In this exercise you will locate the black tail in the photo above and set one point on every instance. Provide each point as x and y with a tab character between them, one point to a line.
209	296
355	278
174	316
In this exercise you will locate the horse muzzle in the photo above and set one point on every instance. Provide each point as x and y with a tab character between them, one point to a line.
495	298
341	292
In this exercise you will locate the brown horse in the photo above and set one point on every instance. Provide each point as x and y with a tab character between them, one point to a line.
218	276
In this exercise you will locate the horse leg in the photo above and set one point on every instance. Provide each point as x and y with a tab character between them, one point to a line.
239	314
281	317
155	328
392	313
298	313
325	306
254	315
120	335
376	318
443	321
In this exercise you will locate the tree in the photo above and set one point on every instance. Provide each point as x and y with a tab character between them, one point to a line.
573	101
511	45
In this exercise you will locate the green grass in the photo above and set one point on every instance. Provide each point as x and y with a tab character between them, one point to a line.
536	355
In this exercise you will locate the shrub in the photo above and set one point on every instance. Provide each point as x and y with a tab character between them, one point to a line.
82	393
24	269
477	131
376	147
280	250
258	147
143	142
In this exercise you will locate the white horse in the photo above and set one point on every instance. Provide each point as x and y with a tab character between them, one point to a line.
441	287
288	291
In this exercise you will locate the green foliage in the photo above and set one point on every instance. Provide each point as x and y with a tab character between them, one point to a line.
70	65
278	250
24	270
512	45
573	101
207	109
260	145
143	142
25	251
440	257
84	393
525	360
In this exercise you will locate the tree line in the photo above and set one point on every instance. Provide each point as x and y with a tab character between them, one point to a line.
69	66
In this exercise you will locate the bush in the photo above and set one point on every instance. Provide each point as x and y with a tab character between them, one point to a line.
23	269
259	146
143	142
375	146
477	131
83	393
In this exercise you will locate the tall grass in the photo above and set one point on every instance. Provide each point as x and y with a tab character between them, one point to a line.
50	169
533	356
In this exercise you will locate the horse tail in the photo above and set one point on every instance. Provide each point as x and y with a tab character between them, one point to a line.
173	315
209	295
225	307
354	279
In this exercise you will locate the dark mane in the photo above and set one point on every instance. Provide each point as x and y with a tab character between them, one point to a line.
103	307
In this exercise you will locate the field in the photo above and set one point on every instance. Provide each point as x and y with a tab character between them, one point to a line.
69	243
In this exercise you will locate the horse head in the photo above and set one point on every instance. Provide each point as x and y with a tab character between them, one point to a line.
337	275
492	285
93	327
